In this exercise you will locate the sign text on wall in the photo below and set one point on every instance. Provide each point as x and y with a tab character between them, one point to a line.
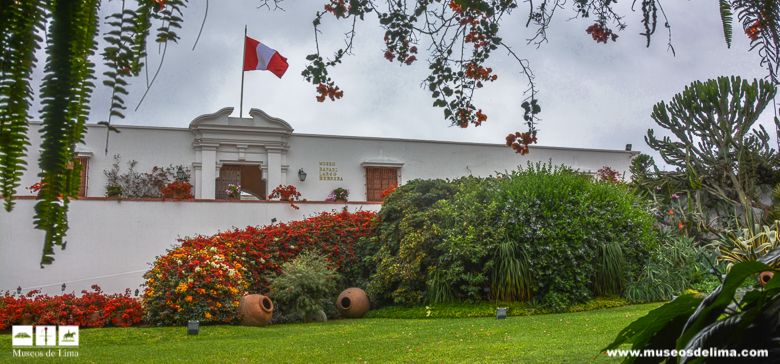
329	172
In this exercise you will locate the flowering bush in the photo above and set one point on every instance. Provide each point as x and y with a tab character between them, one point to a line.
233	190
286	193
610	175
388	191
135	184
177	190
338	194
338	237
192	283
92	309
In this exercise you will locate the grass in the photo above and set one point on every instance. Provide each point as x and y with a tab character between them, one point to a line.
554	338
485	309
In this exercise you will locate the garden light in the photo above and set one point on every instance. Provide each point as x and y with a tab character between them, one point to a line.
501	313
301	174
63	288
193	327
136	292
18	290
180	174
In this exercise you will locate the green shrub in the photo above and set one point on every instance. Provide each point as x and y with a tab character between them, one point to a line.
304	283
408	236
560	218
674	266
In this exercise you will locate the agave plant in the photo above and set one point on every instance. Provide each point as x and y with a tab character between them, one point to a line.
747	244
717	322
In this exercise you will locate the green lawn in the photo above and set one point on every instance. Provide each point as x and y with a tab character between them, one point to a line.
556	338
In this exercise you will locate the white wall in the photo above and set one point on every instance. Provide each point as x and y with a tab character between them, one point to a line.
161	147
110	238
425	160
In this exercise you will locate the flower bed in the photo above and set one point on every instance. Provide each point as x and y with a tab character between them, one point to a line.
92	309
194	280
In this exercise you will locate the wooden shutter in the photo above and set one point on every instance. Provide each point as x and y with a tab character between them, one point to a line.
227	175
379	179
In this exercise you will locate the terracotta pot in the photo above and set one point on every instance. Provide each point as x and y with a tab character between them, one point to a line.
26	320
340	201
764	277
256	310
284	198
119	321
353	303
318	316
94	317
233	198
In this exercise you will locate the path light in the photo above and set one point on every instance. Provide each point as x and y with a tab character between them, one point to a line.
301	174
193	327
180	174
501	313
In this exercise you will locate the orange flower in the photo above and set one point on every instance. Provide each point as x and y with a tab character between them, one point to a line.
681	225
188	299
671	212
208	315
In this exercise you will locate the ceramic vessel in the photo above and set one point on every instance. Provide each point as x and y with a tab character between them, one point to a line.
764	277
353	303
256	310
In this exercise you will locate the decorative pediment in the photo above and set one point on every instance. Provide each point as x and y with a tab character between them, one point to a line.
221	129
382	161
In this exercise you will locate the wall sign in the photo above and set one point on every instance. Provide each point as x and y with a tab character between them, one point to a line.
329	172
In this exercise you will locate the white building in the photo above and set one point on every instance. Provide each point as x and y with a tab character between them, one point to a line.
110	243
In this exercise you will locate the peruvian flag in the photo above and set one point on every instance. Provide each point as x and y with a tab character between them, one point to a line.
257	56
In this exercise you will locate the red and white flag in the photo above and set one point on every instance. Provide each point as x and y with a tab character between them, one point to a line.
257	56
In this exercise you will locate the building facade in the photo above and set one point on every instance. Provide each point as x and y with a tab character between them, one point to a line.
112	242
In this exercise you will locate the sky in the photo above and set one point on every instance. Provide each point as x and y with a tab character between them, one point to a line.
592	95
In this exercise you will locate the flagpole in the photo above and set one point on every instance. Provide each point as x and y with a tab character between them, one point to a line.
243	63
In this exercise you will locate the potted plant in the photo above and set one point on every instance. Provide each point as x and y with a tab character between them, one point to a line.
233	192
287	193
338	195
114	191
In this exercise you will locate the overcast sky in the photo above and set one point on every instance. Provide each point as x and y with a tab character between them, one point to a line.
593	95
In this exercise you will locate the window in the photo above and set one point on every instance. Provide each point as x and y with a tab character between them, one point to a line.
379	179
84	161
